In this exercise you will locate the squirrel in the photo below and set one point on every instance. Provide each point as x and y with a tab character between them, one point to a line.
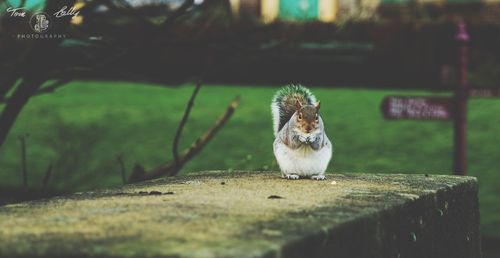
301	146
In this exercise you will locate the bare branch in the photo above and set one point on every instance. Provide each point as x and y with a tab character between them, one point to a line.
183	122
47	89
172	168
52	87
197	146
14	105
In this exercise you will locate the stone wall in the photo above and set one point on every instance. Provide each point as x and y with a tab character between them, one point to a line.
243	214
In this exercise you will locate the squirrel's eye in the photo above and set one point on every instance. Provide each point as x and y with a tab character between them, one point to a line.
300	116
317	117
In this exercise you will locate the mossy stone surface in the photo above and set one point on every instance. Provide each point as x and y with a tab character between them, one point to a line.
253	214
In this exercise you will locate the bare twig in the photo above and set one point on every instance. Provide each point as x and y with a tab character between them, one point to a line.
24	169
172	168
47	89
207	136
184	119
46	178
122	167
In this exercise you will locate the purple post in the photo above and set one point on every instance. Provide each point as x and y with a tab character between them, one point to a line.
460	102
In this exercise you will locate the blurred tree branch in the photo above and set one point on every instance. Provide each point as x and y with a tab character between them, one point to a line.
15	103
116	50
31	69
173	167
178	133
177	13
47	89
126	9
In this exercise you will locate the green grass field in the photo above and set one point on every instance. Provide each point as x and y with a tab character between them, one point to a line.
82	128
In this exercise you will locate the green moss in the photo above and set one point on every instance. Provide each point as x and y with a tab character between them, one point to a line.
204	218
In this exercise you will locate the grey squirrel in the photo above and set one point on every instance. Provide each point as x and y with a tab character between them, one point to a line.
301	146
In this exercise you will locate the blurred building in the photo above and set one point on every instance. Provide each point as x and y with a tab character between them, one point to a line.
328	11
289	10
340	10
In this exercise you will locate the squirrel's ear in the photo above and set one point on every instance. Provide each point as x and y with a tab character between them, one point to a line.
298	105
318	105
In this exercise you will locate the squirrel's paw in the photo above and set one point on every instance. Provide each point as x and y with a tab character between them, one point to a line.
291	176
318	177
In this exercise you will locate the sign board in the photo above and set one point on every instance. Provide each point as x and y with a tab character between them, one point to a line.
418	108
486	93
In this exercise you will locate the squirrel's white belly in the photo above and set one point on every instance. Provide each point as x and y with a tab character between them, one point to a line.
303	161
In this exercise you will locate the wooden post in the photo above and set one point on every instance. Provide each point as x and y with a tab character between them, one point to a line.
460	100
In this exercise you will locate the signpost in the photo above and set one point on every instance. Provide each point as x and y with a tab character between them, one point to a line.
421	108
484	93
460	99
443	108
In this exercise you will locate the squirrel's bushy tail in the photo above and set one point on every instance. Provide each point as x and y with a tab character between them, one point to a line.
283	105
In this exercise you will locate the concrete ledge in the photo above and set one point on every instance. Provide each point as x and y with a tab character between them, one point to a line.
241	214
